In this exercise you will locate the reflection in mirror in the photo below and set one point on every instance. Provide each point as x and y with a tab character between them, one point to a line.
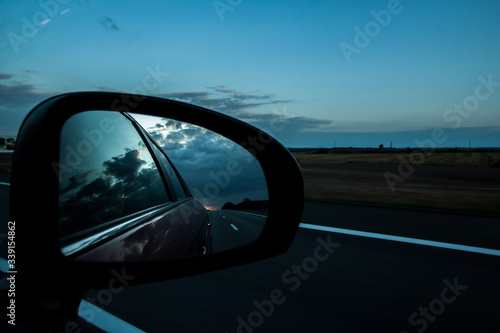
221	175
141	188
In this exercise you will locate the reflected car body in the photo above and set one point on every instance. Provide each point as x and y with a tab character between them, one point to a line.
126	203
179	231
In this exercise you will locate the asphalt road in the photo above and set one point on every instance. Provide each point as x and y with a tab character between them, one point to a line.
364	285
329	282
232	229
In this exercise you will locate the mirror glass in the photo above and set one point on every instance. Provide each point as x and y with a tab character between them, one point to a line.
142	188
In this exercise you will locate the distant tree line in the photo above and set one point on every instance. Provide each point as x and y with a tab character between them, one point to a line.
248	204
382	149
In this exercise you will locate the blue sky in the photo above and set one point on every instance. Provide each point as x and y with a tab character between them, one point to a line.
258	60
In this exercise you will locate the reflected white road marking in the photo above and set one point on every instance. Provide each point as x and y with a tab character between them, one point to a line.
403	239
247	213
234	227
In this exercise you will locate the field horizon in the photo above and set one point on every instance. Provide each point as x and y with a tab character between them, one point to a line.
452	179
458	181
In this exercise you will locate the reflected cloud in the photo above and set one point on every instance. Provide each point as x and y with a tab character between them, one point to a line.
125	184
203	157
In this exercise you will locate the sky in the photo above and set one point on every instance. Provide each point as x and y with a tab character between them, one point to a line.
334	73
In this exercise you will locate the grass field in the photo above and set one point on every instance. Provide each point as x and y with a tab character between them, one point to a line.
464	159
462	181
456	181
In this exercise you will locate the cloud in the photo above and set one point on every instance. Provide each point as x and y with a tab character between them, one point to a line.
5	76
18	94
278	123
108	23
31	71
125	166
236	103
238	95
105	88
123	186
16	100
223	99
200	155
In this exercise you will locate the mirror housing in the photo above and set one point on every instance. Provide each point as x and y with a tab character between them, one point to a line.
45	273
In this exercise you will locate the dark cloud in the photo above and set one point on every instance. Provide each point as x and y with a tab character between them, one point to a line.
172	146
108	23
31	71
201	156
223	99
169	123
16	93
5	76
175	136
237	104
284	123
16	100
238	95
121	167
157	136
121	188
104	88
75	182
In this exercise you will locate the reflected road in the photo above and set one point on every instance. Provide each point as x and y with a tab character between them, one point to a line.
232	229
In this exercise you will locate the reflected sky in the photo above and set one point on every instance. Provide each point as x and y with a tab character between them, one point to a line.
215	169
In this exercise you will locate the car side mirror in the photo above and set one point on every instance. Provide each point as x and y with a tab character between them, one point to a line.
49	219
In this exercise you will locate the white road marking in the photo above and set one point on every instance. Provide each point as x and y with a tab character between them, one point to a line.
234	227
100	318
402	239
4	265
105	320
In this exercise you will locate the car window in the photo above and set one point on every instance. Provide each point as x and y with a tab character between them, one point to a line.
105	171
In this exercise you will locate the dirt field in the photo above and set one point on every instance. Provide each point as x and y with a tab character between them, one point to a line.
457	181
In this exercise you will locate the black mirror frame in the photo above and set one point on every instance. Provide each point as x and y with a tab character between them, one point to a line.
34	194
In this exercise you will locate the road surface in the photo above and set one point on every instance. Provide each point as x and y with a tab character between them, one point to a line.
331	282
232	229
